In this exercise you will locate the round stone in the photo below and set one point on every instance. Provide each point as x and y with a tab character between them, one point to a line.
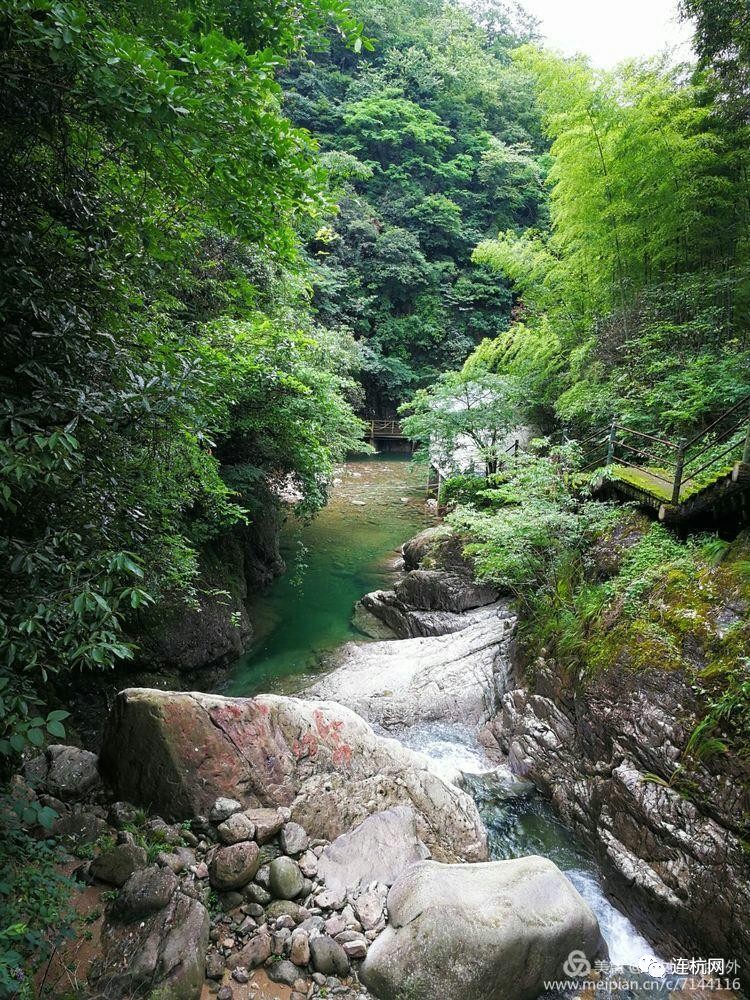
233	866
287	880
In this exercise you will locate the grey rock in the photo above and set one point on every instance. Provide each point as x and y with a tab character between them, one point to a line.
355	948
299	951
223	808
215	965
369	906
122	814
508	928
287	881
240	975
256	952
165	951
116	865
263	877
286	907
313	926
79	827
66	772
257	894
308	864
233	866
328	957
146	891
267	823
294	839
436	590
236	828
161	831
283	972
377	850
405	622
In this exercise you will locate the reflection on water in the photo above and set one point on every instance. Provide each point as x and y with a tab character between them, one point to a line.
350	548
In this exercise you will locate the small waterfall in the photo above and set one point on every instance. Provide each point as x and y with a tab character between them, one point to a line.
520	822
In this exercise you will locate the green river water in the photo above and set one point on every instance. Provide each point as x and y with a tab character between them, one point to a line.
350	548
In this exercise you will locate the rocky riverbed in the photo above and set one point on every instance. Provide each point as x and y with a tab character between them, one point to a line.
291	848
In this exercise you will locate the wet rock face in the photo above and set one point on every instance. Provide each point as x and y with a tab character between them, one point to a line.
178	752
459	676
668	829
493	931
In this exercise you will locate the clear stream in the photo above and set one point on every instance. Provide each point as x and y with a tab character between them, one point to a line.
352	547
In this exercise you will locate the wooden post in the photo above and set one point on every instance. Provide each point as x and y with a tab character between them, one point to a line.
515	450
678	470
611	443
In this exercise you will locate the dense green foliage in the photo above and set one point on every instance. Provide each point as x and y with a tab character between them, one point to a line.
635	302
433	140
161	377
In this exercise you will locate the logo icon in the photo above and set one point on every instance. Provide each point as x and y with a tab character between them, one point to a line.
577	965
652	966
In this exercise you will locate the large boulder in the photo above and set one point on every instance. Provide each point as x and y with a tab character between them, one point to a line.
164	953
436	590
494	931
116	865
436	547
379	849
409	623
458	677
177	752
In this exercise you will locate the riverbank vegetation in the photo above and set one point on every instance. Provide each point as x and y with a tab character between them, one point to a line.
631	304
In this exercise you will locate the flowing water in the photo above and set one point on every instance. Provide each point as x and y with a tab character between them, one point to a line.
348	550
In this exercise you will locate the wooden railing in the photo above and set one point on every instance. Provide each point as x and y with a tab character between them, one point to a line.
675	464
384	429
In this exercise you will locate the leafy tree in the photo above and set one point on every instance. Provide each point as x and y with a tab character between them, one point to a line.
151	193
448	130
722	37
462	411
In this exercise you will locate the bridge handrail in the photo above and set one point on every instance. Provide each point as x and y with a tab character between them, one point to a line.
673	454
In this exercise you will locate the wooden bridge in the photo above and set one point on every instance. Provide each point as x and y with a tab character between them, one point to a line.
387	431
704	478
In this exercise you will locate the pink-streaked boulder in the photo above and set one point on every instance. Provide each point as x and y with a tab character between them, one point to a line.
177	752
